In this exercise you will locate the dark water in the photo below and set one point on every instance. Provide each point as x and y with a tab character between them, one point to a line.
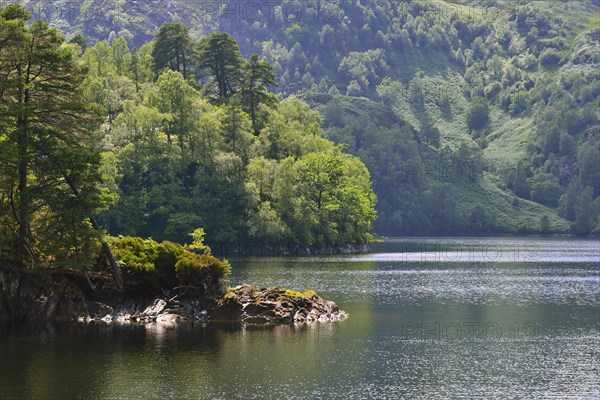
429	319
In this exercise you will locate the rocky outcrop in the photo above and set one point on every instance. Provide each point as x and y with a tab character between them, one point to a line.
27	296
168	311
248	304
62	298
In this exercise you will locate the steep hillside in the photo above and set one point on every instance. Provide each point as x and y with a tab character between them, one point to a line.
510	88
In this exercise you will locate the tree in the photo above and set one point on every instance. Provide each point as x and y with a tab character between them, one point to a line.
237	130
175	97
585	214
589	160
545	190
81	41
220	59
48	141
569	198
478	219
265	224
337	199
479	114
257	75
121	55
430	133
172	49
544	224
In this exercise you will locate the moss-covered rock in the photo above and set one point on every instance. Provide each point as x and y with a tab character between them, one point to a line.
248	304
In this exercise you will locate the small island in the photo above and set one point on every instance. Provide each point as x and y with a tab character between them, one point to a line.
163	283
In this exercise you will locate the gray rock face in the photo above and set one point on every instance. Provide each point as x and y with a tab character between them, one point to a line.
31	297
156	308
171	311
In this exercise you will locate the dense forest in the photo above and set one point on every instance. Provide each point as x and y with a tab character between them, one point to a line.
266	123
168	143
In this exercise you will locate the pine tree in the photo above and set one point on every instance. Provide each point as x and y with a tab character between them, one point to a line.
220	59
172	49
47	143
258	75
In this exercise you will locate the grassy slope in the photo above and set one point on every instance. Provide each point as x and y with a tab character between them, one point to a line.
508	137
498	202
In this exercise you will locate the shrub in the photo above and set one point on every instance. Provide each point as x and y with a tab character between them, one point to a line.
168	254
136	253
201	270
148	261
161	265
138	257
550	58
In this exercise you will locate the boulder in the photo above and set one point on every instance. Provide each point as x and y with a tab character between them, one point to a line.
251	305
156	308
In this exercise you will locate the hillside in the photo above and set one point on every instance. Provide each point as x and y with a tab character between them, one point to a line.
509	91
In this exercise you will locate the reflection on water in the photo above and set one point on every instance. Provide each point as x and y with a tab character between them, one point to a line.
525	328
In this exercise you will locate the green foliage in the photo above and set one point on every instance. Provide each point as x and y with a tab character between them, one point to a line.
49	169
198	269
430	134
550	57
137	254
160	265
319	199
545	191
221	62
172	49
479	114
544	224
198	242
589	158
180	162
81	41
258	74
586	213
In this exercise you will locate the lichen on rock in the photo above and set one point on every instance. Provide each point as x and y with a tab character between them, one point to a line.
248	304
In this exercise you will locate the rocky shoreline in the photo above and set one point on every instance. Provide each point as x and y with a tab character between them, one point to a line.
29	297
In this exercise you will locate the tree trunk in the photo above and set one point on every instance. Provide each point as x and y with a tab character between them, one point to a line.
23	167
116	271
24	220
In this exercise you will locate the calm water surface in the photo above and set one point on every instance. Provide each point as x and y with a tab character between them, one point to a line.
429	319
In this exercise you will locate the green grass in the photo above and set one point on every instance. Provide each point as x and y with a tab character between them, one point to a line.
508	141
499	204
